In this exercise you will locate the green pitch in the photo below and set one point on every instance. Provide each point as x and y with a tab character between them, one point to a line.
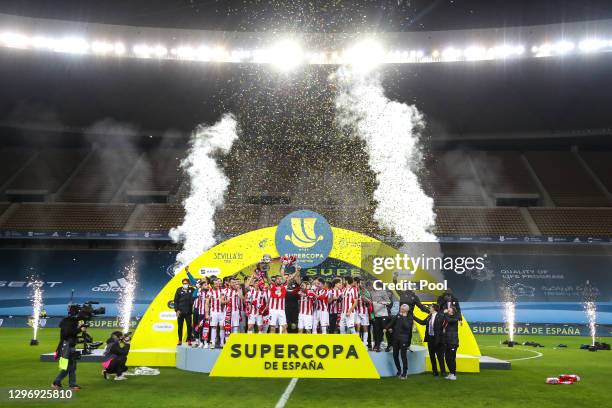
523	386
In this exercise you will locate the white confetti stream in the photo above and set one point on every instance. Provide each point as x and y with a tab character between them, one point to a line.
390	130
208	186
126	295
37	305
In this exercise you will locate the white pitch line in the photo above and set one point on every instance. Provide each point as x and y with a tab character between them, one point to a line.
537	353
285	397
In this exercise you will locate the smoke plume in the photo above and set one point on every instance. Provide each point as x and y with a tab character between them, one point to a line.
208	186
390	130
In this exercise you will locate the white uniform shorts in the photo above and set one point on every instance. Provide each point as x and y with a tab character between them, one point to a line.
236	318
217	318
277	318
256	320
362	319
305	321
347	321
321	317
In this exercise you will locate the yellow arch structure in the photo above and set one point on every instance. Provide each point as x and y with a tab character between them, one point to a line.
154	341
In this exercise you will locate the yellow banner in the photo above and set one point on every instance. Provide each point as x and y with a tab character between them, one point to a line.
294	355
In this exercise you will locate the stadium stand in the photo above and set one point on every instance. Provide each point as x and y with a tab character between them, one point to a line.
566	180
157	172
503	174
480	220
82	189
237	219
49	170
158	217
11	160
594	222
449	178
601	164
68	217
100	177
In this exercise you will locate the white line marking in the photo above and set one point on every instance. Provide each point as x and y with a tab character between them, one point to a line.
285	397
537	353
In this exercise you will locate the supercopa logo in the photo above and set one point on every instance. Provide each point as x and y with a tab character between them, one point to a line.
306	235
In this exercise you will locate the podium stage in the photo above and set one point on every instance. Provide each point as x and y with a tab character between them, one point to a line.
203	360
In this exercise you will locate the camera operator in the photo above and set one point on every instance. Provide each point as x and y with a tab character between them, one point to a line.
116	352
69	331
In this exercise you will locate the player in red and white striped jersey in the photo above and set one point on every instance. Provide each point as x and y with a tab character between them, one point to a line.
362	312
278	291
234	297
215	309
321	314
199	311
349	303
307	303
255	304
334	295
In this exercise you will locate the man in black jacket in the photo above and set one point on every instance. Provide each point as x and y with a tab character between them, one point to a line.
183	305
400	327
451	340
434	337
117	354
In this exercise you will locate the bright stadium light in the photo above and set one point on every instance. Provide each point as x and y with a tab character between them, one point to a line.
284	55
564	47
475	53
451	54
591	45
71	45
14	40
365	55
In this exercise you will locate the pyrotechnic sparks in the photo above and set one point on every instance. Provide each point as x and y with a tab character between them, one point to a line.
509	317
390	130
208	185
590	309
126	295
37	305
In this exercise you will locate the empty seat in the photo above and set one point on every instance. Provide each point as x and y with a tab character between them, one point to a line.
157	171
69	217
158	217
593	222
566	180
601	164
450	180
49	170
486	221
100	177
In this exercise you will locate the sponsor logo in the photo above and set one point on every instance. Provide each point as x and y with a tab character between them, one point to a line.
27	284
163	327
228	256
112	286
208	271
303	232
306	235
168	315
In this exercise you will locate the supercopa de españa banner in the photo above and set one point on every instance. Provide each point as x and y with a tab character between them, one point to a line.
294	355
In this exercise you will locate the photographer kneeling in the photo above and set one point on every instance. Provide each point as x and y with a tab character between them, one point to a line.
116	355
